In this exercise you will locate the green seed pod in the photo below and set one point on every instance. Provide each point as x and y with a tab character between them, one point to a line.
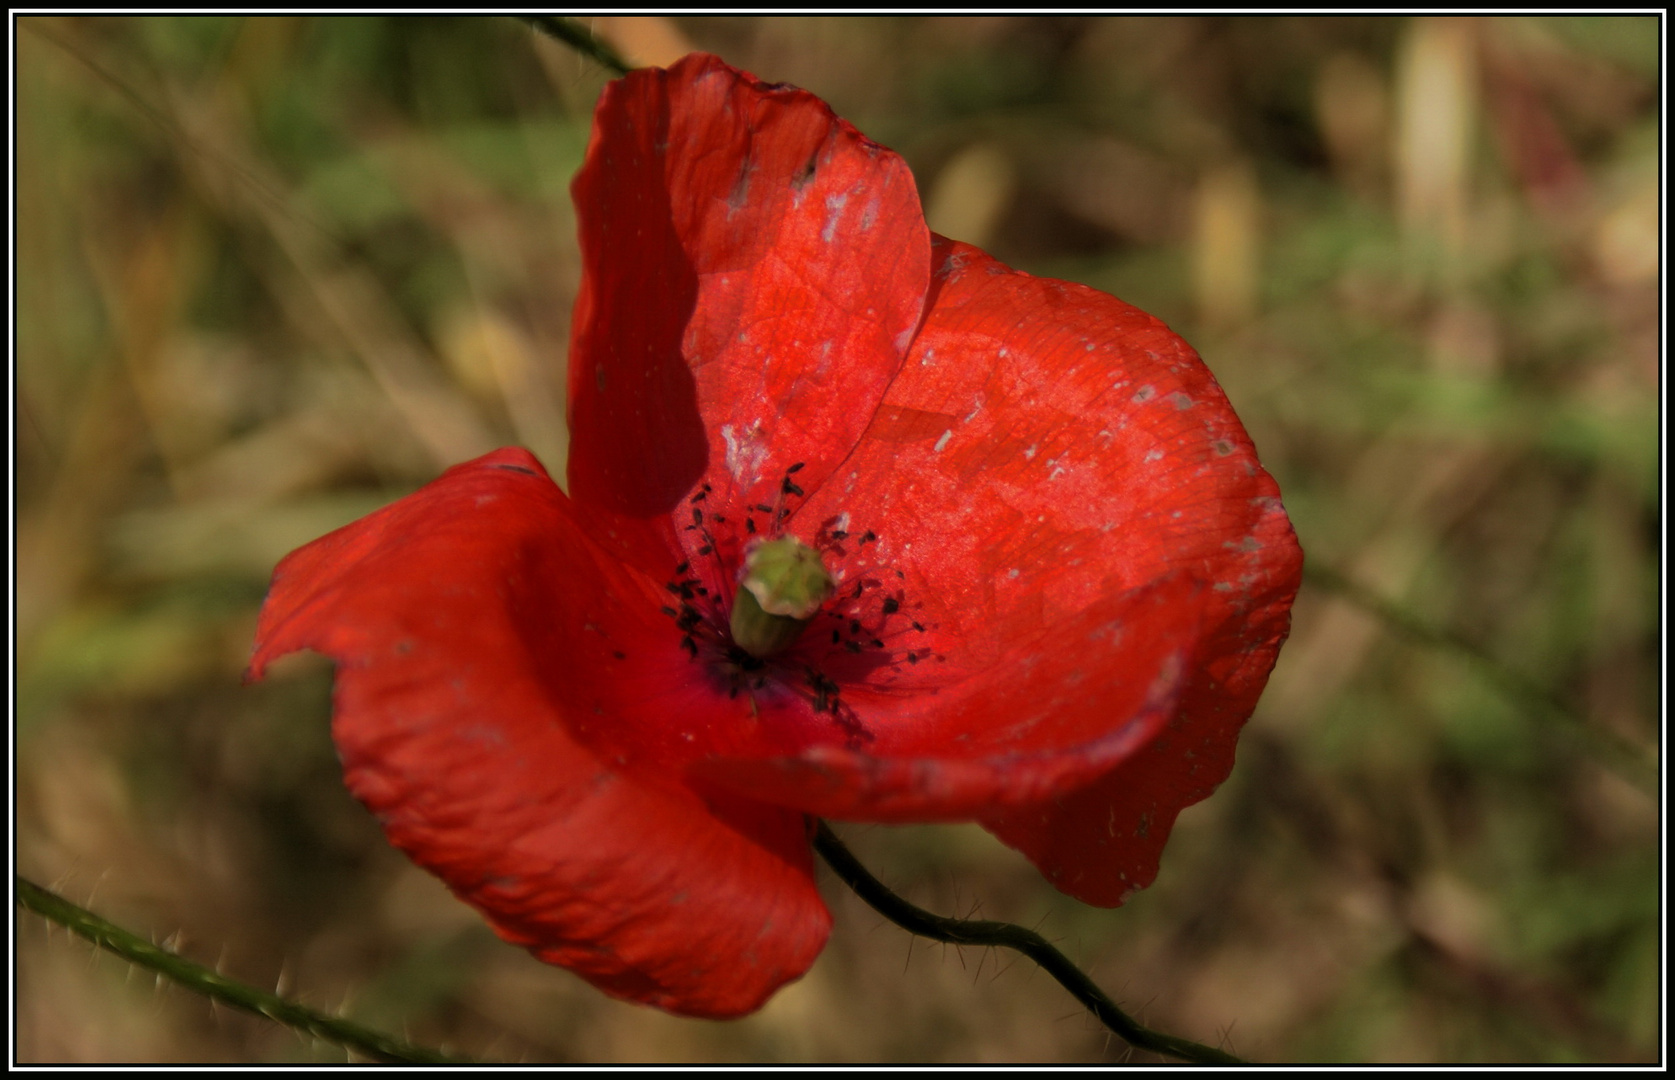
783	586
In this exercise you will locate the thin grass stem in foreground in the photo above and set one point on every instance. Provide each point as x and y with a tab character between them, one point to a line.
1614	751
578	37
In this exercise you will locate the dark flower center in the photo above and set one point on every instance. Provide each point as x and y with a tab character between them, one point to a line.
804	628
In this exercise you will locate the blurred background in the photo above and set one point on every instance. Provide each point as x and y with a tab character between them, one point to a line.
273	273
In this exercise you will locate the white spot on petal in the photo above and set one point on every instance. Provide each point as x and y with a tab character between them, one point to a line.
940	443
834	210
744	454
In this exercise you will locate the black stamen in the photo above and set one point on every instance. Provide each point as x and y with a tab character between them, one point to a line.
825	692
891	605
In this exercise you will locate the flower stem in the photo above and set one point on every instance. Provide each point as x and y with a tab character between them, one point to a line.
977	932
578	37
373	1044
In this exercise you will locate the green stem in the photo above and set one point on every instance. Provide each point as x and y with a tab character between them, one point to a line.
1619	754
1004	935
216	987
578	37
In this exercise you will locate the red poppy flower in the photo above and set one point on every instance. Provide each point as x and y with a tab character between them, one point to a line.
1054	576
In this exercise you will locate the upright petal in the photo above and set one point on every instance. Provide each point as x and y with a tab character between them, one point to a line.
753	272
474	624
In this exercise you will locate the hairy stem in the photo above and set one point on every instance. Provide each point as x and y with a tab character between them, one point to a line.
976	932
195	977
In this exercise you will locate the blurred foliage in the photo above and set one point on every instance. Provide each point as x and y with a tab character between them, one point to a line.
275	272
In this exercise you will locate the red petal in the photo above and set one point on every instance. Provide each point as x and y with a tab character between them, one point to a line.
1052	715
473	624
1102	843
1047	446
753	272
